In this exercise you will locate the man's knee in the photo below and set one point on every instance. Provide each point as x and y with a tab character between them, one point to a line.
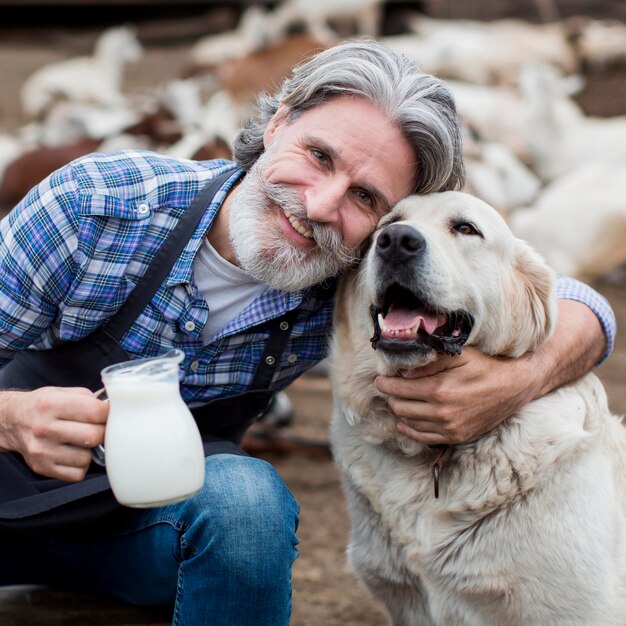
244	502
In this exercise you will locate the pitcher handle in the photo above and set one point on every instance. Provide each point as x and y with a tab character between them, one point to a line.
97	452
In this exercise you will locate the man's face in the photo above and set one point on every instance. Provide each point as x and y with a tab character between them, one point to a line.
308	204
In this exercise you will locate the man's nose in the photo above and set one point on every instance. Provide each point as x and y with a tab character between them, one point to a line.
325	199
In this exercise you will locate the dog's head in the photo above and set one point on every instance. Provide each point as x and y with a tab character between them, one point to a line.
444	270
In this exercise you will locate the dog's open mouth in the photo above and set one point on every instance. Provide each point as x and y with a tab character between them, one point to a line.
404	322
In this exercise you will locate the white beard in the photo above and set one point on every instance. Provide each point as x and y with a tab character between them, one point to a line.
262	249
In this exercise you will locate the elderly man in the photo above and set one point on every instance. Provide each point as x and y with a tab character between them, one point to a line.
243	285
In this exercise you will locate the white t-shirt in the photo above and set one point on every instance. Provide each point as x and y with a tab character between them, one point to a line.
227	289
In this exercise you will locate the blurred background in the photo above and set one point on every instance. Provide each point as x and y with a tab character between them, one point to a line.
540	87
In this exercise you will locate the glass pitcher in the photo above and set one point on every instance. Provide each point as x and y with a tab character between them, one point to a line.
153	449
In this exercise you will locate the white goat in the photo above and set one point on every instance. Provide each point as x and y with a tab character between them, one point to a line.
316	14
219	118
183	99
96	79
498	177
559	143
501	115
68	122
496	114
598	43
254	31
578	222
489	52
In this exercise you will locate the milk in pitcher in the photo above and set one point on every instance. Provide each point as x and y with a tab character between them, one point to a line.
153	449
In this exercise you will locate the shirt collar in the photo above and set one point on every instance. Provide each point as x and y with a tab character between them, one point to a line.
182	270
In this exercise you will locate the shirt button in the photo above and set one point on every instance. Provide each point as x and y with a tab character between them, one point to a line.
292	358
284	325
143	209
270	360
194	366
190	326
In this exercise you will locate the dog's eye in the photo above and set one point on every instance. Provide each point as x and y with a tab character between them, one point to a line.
465	228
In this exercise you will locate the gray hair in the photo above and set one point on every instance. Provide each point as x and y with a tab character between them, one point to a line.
420	105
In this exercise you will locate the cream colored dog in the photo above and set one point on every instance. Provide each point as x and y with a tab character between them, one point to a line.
530	524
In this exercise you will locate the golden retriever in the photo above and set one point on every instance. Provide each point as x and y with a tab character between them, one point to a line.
529	527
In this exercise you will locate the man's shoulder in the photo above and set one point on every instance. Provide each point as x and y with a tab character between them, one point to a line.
140	174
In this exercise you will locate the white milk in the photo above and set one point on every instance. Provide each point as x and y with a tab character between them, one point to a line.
154	452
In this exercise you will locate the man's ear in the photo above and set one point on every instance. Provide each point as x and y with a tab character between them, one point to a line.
277	121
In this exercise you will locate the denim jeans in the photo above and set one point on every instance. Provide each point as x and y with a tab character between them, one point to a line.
222	557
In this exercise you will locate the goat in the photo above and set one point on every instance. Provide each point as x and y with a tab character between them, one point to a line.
68	122
212	131
558	143
96	79
598	43
498	177
254	31
315	16
488	53
578	222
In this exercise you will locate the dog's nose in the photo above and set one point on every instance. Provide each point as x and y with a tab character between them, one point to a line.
400	242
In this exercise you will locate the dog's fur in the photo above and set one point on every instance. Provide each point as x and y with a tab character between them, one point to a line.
530	525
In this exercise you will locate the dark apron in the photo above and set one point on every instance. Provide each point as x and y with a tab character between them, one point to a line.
30	502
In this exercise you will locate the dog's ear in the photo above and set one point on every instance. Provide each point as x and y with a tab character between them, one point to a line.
533	305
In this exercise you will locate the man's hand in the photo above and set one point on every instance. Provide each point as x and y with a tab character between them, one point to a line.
459	398
53	428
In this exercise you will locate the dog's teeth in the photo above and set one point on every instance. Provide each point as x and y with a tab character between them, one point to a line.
396	332
381	321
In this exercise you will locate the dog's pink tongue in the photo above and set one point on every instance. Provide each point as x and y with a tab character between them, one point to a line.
406	319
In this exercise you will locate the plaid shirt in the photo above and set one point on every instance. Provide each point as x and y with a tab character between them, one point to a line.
74	248
77	244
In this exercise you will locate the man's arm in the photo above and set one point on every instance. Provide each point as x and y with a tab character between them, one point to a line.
460	398
52	428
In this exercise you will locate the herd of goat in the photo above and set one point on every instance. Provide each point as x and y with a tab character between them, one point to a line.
556	174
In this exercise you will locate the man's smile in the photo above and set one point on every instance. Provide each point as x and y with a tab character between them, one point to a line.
298	226
295	230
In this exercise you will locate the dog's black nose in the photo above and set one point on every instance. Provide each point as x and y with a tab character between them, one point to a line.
400	242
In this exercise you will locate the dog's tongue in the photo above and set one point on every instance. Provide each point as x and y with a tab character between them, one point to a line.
403	319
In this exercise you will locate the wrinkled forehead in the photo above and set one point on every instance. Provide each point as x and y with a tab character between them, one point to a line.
441	209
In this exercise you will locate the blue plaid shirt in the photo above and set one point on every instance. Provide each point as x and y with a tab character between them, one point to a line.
74	248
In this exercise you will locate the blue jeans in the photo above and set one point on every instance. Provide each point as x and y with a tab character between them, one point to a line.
222	557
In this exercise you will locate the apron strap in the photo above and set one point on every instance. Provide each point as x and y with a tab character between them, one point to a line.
163	260
280	329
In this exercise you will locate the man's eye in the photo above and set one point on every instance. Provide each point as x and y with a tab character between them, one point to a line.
465	228
322	157
364	197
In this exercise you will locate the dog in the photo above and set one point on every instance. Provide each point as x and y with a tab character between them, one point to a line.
529	526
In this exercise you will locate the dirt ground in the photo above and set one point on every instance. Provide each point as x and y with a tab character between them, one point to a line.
325	592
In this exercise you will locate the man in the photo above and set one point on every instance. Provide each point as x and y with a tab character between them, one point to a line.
246	292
